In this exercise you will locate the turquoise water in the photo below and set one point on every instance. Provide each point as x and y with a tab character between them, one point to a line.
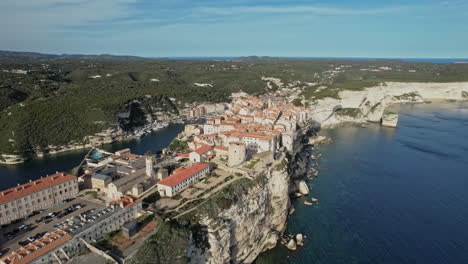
11	175
389	195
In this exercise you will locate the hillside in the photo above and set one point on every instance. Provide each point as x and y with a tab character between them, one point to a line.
54	99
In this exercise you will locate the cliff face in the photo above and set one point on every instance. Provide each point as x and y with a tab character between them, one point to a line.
255	223
369	105
251	226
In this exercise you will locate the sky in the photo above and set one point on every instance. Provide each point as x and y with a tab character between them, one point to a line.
204	28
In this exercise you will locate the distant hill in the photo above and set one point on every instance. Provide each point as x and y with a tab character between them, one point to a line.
258	58
12	55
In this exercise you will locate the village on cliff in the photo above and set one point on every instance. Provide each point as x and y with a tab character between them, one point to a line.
57	217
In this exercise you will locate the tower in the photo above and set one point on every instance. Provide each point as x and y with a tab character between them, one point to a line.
149	164
237	153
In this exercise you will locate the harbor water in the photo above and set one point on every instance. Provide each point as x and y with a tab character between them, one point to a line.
388	195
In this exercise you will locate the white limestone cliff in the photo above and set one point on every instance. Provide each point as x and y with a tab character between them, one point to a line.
253	225
372	102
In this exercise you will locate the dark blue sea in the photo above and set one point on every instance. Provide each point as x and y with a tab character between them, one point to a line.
11	175
389	195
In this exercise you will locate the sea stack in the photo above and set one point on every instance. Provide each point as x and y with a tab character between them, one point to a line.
390	119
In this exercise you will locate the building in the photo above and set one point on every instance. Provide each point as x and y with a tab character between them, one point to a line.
200	154
40	250
100	181
19	202
125	173
182	178
237	153
62	244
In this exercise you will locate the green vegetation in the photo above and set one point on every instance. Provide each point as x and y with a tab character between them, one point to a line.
152	198
465	94
390	113
352	112
168	245
297	102
374	107
178	145
61	100
407	96
225	198
282	165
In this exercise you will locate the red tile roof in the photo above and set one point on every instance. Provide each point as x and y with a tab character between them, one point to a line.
34	186
183	173
221	148
126	201
37	248
203	150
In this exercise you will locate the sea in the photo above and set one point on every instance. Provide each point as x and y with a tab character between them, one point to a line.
11	175
388	195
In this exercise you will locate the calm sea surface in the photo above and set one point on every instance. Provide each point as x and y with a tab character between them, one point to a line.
389	195
13	174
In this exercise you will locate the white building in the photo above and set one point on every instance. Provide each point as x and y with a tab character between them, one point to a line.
182	178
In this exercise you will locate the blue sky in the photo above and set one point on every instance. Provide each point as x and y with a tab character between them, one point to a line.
314	28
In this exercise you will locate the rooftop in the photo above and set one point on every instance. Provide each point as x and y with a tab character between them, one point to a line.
34	186
203	150
183	173
37	248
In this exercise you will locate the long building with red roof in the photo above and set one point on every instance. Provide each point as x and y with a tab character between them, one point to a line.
20	201
182	178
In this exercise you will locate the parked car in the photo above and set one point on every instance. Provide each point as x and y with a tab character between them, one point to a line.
37	221
24	227
31	239
23	243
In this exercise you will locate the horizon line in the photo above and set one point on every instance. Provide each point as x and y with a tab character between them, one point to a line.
240	56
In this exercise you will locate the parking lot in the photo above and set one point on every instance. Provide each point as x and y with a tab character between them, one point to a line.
12	236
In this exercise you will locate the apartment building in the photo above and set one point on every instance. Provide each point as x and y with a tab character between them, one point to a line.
20	201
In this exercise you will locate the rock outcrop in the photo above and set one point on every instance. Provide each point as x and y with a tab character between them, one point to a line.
390	120
369	105
252	225
256	222
292	244
302	187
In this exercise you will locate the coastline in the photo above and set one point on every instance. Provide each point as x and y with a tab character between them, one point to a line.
372	103
346	154
108	136
384	98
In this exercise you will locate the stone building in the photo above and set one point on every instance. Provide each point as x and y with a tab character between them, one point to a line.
237	153
200	154
182	178
64	243
19	202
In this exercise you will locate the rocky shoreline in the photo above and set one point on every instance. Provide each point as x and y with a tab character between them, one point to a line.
110	135
371	104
